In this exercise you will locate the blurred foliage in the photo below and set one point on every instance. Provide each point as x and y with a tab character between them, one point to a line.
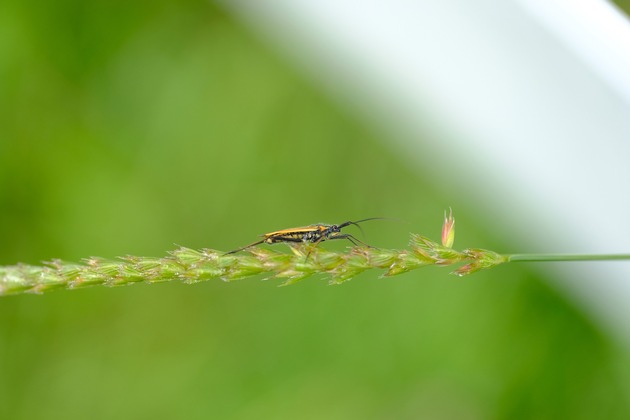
127	127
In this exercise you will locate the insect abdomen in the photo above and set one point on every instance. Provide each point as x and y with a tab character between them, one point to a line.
310	236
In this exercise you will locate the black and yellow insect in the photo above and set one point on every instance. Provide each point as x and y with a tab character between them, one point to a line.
312	233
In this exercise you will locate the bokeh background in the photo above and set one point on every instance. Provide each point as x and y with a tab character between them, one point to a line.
126	128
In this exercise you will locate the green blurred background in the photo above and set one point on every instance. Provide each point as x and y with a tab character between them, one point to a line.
128	127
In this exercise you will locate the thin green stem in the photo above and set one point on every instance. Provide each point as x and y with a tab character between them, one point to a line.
192	266
565	257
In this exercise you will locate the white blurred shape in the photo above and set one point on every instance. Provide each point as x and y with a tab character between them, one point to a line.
535	117
594	29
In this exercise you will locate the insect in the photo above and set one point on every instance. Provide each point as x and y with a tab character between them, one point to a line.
313	233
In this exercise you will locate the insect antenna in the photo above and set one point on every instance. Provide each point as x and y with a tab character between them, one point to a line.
356	223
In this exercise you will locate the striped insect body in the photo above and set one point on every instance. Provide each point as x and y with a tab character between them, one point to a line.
309	234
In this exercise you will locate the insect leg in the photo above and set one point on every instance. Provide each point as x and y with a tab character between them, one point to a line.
246	246
315	243
351	239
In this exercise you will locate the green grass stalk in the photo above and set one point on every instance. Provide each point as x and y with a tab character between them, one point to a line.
193	266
